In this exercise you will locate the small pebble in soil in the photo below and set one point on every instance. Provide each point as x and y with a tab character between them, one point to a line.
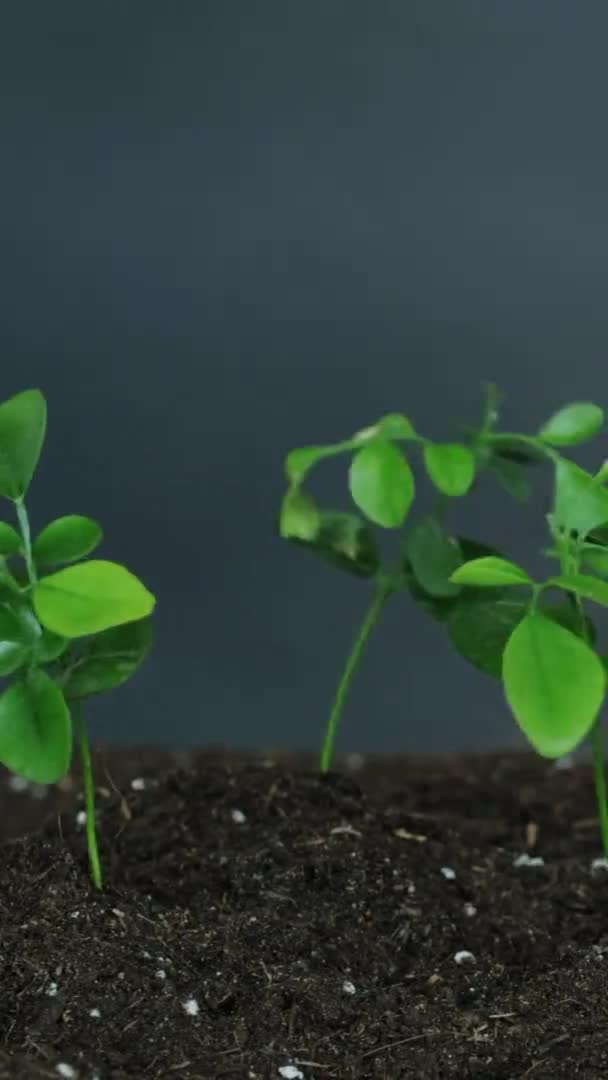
349	987
66	1070
95	1013
599	865
81	817
191	1007
448	873
238	817
566	762
464	957
470	910
18	783
528	860
138	783
160	974
289	1072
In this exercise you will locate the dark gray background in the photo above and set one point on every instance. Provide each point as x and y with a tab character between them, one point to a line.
233	227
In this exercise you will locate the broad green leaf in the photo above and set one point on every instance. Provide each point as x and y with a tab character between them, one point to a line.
299	518
35	729
554	684
573	424
15	642
90	597
382	484
451	467
580	505
10	541
480	625
110	660
345	541
50	646
490	571
433	556
439	608
512	477
591	588
66	539
22	431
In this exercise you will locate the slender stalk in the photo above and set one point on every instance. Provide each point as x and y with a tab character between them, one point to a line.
384	587
597	751
89	795
24	525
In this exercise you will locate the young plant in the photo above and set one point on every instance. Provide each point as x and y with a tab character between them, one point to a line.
68	628
535	636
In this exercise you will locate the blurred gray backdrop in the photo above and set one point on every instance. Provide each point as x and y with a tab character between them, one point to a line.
232	228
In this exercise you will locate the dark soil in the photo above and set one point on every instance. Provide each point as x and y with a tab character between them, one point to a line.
259	922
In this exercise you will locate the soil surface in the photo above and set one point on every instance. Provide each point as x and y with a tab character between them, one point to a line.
260	922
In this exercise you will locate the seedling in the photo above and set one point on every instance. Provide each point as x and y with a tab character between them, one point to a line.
68	628
535	636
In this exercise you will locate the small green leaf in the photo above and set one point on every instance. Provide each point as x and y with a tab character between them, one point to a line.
451	467
35	729
299	519
110	660
382	484
433	556
391	426
512	477
90	597
66	539
22	431
10	541
591	588
299	461
15	643
554	684
343	540
490	571
580	505
596	557
573	424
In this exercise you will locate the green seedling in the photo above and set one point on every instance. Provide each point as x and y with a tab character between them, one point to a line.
68	628
536	637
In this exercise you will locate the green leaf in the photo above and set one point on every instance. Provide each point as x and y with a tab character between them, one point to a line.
299	519
516	450
35	729
10	541
90	597
15	642
512	477
433	556
596	556
451	467
382	484
480	625
22	431
587	586
343	540
110	660
580	505
573	424
391	426
490	571
554	684
66	539
298	462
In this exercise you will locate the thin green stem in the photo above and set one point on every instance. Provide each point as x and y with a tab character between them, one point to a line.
597	749
89	796
24	525
384	588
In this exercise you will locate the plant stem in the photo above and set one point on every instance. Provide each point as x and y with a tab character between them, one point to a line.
599	777
24	525
89	795
384	587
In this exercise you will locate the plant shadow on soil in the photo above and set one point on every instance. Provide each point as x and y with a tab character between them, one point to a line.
261	922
